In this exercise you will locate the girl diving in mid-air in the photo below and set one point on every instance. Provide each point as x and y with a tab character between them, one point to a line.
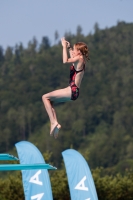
79	54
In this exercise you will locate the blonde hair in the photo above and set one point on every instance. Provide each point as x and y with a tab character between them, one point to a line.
83	49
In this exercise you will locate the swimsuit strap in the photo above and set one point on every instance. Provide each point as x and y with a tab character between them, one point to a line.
79	70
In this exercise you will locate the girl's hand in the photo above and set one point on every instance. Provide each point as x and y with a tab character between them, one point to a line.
63	42
68	44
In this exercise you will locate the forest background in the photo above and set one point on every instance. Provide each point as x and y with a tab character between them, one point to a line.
99	124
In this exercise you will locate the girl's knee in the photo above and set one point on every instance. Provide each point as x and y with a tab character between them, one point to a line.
43	97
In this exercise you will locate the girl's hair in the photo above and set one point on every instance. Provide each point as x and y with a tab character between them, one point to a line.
83	49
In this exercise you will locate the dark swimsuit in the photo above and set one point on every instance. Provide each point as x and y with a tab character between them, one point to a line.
74	88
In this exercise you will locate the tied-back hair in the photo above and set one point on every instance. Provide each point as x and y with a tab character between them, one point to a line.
83	49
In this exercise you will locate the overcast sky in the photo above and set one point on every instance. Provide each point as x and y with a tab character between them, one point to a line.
21	20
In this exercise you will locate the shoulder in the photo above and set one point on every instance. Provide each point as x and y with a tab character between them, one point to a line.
81	63
81	60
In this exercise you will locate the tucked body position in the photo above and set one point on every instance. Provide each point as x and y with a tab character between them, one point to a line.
78	55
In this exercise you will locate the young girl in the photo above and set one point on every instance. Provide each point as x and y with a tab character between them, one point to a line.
78	57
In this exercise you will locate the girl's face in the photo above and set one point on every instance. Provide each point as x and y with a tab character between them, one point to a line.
75	51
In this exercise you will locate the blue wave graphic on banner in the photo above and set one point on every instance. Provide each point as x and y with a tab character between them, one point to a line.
80	180
36	183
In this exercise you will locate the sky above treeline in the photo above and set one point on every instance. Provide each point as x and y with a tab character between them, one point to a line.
22	20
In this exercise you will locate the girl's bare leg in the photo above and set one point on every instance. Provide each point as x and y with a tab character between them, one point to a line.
54	113
57	96
49	110
58	127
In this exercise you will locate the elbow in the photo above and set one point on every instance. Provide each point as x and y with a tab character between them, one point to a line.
64	62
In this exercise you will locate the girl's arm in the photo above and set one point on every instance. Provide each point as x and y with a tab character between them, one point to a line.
65	56
65	44
71	60
69	49
70	52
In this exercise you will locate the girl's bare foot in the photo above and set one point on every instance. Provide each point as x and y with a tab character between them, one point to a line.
53	127
56	131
